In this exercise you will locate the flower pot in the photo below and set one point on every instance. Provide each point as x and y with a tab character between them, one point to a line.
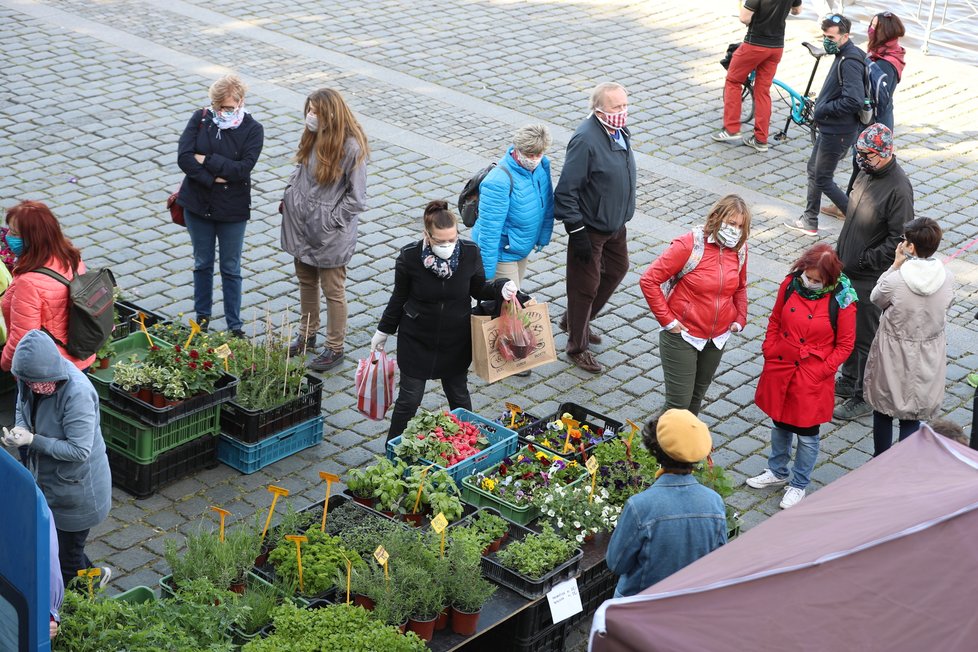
442	621
261	559
464	623
103	363
158	400
237	587
588	538
425	629
417	520
360	600
387	513
365	501
145	395
403	627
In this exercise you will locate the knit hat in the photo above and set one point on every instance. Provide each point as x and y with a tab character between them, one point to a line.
683	437
878	138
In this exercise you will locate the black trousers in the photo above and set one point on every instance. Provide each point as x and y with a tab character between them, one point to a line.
71	553
867	323
411	391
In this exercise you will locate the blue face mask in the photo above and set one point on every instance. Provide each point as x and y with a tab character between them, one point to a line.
16	244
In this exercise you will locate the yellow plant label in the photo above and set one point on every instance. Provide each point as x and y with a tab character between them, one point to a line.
329	477
513	407
592	465
439	523
381	555
223	351
570	423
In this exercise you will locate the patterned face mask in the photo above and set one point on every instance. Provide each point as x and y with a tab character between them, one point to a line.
45	388
612	120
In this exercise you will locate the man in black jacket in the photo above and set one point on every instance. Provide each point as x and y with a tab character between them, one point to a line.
837	116
880	205
594	198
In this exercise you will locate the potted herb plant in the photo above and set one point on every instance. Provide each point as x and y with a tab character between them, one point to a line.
426	596
576	514
322	555
465	588
104	355
222	562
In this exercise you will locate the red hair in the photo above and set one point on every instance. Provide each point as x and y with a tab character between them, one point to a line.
823	258
43	239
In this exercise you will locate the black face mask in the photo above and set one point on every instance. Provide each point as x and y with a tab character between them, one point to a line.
863	162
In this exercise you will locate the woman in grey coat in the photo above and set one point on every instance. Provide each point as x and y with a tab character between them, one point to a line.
322	204
907	361
57	429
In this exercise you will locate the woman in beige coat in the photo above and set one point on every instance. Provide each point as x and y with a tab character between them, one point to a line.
907	362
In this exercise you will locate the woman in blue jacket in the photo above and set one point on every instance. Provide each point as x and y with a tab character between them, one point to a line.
516	206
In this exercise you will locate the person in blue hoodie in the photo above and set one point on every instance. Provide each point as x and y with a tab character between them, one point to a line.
58	432
516	206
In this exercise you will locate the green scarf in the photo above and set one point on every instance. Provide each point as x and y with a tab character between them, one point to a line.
842	290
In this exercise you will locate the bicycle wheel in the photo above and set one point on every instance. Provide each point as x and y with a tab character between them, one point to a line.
747	103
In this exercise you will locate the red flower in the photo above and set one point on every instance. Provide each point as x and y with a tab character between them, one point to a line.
530	448
154	348
194	354
210	350
502	470
192	365
178	348
208	364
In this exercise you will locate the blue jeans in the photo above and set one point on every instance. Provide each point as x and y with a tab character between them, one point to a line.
883	431
828	151
805	456
229	236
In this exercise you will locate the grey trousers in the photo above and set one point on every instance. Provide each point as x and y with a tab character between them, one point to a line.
688	372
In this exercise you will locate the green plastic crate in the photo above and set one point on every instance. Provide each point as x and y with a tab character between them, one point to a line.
143	443
124	348
136	595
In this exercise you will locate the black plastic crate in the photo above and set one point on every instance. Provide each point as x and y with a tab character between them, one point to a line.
128	322
551	639
521	584
224	390
143	480
252	426
609	427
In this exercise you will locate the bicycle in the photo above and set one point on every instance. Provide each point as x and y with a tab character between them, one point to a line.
801	105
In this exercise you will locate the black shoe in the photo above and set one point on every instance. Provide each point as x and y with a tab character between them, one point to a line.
326	360
300	344
845	388
238	333
523	374
203	322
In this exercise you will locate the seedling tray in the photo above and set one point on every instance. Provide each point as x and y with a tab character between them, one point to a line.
144	443
528	587
502	442
224	390
603	427
128	321
251	426
142	480
249	458
136	595
135	344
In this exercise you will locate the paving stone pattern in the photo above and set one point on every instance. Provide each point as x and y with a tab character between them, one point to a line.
93	97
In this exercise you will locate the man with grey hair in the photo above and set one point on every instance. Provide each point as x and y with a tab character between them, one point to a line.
595	197
516	206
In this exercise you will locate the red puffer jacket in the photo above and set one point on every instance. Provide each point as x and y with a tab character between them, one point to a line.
708	299
37	301
801	355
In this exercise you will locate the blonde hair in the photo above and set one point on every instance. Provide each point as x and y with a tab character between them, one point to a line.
725	207
532	139
328	142
225	86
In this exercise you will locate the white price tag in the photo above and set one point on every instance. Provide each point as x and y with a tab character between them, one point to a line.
565	600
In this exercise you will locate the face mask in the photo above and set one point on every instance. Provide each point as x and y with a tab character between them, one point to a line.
444	251
528	162
612	120
229	119
830	46
16	244
45	388
811	285
312	122
861	160
870	32
728	235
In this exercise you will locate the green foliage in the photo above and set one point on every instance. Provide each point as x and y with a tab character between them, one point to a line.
268	376
223	563
465	588
322	555
714	477
624	474
338	627
257	604
537	554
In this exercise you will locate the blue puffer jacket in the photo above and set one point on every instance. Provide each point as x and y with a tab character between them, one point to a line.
511	224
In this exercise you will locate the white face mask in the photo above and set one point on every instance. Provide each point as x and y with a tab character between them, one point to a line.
444	251
810	284
728	235
312	122
528	162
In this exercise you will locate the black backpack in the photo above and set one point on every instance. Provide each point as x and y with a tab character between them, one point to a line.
833	304
468	200
877	93
90	315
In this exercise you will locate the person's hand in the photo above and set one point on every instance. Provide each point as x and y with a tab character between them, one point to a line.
580	245
199	158
219	180
509	291
53	628
17	436
736	328
378	341
678	328
538	248
900	256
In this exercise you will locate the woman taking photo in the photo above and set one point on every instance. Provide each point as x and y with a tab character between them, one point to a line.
218	150
323	201
34	300
435	281
705	301
811	332
907	361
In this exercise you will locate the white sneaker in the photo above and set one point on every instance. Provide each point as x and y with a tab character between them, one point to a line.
792	496
766	479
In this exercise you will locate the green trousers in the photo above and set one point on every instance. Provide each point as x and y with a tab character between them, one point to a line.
688	372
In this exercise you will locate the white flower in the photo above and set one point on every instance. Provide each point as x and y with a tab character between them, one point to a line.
577	524
580	538
560	523
550	512
587	512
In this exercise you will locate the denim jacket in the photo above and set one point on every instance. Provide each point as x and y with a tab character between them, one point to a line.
666	527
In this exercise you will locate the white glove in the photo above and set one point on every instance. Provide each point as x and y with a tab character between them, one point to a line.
509	291
17	436
378	341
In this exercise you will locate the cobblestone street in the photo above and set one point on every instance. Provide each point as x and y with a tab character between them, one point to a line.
95	93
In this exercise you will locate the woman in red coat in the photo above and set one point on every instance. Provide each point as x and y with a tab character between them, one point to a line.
704	300
802	351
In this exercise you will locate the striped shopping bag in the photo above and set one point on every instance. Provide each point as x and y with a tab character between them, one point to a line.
375	385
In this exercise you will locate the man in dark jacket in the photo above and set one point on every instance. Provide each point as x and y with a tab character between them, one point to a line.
837	116
880	205
594	198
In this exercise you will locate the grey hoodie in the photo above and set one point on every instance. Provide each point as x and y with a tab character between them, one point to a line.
67	455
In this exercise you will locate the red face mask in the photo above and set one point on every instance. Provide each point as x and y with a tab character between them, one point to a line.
612	120
45	389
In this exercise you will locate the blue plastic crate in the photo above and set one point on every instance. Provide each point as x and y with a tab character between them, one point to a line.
502	443
249	458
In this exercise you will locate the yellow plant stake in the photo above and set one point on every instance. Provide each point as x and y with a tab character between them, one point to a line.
90	573
194	329
330	479
438	524
513	411
299	540
417	499
635	429
142	327
276	492
222	513
592	467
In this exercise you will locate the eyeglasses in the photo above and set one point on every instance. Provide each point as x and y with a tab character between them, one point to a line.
835	18
442	242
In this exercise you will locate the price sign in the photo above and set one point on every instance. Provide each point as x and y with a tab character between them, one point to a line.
565	600
223	351
381	555
591	465
439	523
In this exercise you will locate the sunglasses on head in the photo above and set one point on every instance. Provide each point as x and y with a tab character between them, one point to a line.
835	18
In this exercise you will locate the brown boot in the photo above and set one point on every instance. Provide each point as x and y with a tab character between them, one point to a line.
833	211
586	361
592	337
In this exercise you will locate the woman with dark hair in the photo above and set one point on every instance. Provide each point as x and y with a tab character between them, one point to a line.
697	290
435	280
811	331
907	361
323	201
34	300
676	520
217	151
885	31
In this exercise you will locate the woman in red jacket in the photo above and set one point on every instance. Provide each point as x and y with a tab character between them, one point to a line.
35	300
807	339
697	290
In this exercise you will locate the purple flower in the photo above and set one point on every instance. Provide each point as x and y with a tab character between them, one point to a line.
508	461
520	493
560	464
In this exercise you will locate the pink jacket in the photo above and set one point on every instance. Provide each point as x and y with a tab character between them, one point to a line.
37	301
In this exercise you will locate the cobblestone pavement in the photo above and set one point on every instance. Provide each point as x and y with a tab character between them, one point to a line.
94	96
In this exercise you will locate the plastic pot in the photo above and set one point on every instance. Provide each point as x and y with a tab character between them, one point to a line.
425	629
465	623
442	621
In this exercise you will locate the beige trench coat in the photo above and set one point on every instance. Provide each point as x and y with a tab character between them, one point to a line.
907	366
